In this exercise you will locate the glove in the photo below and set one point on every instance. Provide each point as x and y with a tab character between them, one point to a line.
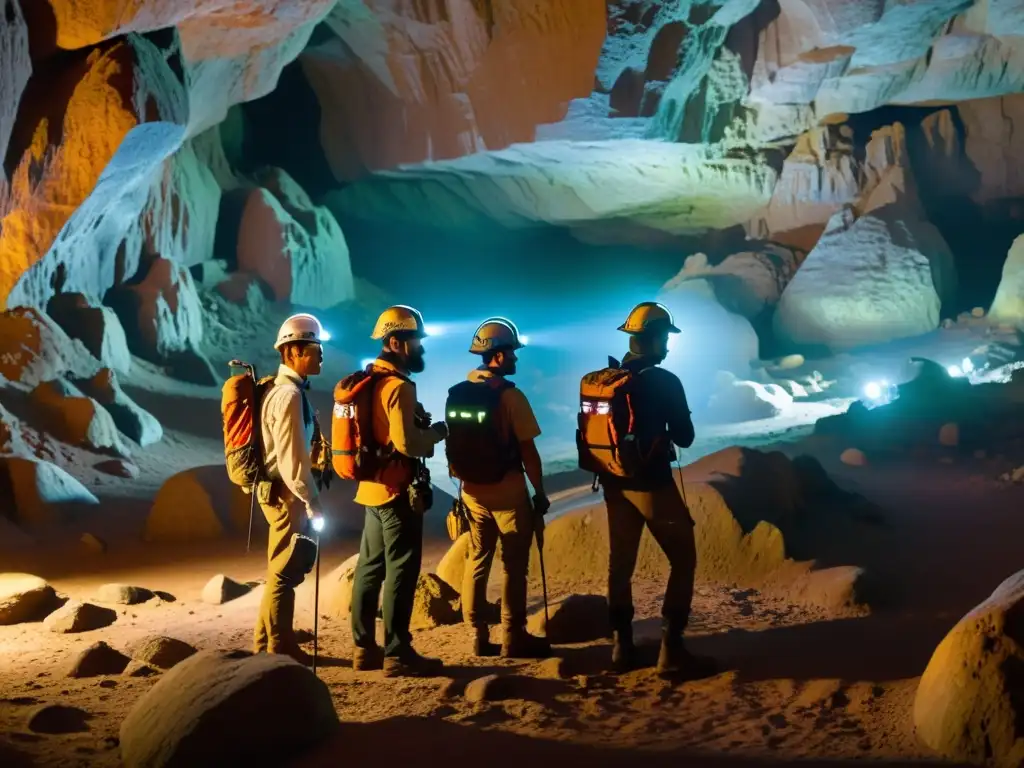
541	505
441	428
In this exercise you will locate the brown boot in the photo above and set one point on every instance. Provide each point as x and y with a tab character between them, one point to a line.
520	644
675	662
367	659
624	657
482	645
409	663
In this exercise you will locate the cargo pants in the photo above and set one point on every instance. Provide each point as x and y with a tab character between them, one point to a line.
285	515
514	528
390	555
665	514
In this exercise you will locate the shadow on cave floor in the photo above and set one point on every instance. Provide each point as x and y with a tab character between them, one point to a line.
432	742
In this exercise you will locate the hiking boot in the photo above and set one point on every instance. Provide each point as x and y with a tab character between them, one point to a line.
482	645
409	663
367	659
677	663
624	657
520	644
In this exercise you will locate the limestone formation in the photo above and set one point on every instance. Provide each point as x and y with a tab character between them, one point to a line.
66	413
1008	306
295	247
968	705
42	494
870	279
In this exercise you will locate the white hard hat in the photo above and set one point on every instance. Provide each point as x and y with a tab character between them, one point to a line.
301	327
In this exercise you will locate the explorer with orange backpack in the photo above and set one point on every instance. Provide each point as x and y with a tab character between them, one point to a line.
631	413
271	444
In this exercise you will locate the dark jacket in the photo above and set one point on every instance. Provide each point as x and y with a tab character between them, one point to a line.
660	406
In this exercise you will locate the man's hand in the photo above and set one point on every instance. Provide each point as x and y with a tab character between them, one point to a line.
421	413
541	504
441	428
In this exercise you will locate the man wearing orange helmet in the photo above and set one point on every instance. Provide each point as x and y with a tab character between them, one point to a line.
491	451
641	409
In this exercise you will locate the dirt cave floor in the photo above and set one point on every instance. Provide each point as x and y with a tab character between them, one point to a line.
800	685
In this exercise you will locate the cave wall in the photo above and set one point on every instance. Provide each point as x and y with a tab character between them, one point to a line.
141	135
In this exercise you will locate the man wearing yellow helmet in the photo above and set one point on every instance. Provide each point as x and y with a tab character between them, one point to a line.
648	495
491	451
391	549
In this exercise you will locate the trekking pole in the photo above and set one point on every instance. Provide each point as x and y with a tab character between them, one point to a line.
252	509
539	529
316	606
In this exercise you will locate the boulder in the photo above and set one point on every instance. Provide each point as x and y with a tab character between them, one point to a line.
118	468
75	616
37	350
139	669
435	604
968	706
75	419
573	619
135	422
98	659
57	719
197	504
740	400
295	247
747	283
453	564
163	320
869	280
123	594
221	589
745	504
39	493
97	328
224	708
336	594
1008	305
24	597
161	652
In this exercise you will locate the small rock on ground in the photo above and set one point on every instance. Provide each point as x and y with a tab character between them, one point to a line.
76	616
58	718
122	594
98	659
222	589
161	652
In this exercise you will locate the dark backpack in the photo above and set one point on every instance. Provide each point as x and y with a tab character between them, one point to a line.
480	447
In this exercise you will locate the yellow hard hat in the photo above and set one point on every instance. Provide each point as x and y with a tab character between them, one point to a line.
494	334
399	319
649	316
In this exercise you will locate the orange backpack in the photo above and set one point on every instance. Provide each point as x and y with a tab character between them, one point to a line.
605	438
355	454
241	397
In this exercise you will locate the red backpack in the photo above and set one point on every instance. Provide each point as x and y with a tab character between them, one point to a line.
241	398
355	454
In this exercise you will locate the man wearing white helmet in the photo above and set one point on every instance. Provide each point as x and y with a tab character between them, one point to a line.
289	497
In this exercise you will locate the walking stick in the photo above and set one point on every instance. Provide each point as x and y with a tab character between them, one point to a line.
316	606
252	509
539	530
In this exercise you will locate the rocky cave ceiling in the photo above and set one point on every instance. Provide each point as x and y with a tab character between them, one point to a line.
143	138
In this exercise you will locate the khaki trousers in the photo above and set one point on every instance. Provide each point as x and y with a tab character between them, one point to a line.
513	526
663	512
286	515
